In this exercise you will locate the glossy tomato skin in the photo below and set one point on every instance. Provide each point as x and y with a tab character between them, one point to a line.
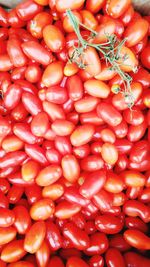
140	29
114	258
145	57
28	10
31	242
115	8
13	251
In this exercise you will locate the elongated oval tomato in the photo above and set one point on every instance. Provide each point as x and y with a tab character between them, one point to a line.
78	237
62	127
7	235
32	241
49	175
97	88
12	96
98	244
53	236
42	209
133	178
27	10
92	184
53	38
53	191
114	258
134	208
137	239
15	53
75	92
5	63
12	143
109	114
53	110
71	168
22	219
56	94
62	6
104	29
40	124
31	103
53	74
116	8
37	24
43	254
86	104
94	5
37	52
108	224
136	31
109	153
65	210
13	251
82	135
127	60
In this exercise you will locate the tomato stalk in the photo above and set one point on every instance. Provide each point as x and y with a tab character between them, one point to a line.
110	50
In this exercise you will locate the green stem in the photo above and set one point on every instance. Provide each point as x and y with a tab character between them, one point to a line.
110	50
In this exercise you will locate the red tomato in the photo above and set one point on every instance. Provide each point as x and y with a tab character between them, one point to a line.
32	243
53	38
53	74
139	28
145	57
116	8
62	5
13	251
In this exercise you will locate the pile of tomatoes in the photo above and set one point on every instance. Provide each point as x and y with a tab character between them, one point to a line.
74	155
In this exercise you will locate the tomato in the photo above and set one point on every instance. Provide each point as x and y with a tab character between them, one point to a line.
37	24
109	114
62	6
56	94
53	74
103	200
98	244
36	153
135	208
108	224
12	96
93	184
75	92
8	235
140	29
136	223
5	63
13	251
133	258
53	236
53	38
137	239
78	237
114	258
40	124
32	242
28	10
37	52
97	88
94	5
70	168
145	57
43	254
65	210
82	135
116	8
